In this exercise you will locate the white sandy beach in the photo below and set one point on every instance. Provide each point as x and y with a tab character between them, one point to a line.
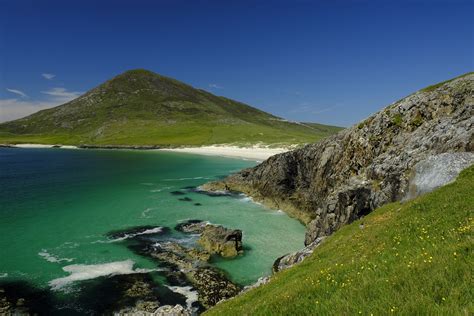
258	153
253	153
42	146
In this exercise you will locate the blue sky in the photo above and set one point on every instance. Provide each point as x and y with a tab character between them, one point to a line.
334	62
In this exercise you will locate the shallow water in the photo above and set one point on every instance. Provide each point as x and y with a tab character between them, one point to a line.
57	205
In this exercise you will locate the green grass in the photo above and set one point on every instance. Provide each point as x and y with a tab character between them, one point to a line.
437	85
143	108
409	259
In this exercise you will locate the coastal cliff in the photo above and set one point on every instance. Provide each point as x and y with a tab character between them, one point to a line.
344	177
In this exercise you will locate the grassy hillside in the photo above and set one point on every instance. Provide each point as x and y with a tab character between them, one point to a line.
140	107
408	259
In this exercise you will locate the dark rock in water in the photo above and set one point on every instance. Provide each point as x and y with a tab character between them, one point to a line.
137	232
222	241
190	188
197	204
177	193
212	286
182	257
21	298
193	226
124	294
345	176
216	192
186	199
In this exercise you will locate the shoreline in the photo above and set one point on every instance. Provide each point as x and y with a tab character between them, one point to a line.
253	153
257	153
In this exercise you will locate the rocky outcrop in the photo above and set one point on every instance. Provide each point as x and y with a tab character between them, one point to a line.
222	241
169	310
215	239
291	259
345	176
436	171
211	284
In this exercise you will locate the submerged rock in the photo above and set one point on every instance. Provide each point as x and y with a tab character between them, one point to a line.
222	241
193	226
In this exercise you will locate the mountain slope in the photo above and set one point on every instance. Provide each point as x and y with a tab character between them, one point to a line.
345	176
140	107
408	259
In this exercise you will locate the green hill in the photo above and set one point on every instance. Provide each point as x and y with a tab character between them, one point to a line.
407	259
140	107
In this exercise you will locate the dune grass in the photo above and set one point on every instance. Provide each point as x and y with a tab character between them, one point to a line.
414	258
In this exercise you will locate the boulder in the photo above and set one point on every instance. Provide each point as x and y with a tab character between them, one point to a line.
222	241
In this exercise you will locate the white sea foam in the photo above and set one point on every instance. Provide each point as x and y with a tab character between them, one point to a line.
69	245
146	211
154	230
191	295
3	275
80	272
184	179
147	183
52	258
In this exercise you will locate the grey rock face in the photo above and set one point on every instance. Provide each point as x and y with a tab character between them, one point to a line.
345	176
291	259
436	171
169	310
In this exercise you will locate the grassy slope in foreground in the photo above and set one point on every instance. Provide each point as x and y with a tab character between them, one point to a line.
140	107
409	259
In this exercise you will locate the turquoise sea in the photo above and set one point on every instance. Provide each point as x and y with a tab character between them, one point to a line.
57	206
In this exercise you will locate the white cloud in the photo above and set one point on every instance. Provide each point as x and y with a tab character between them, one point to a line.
11	109
62	94
48	76
20	93
215	86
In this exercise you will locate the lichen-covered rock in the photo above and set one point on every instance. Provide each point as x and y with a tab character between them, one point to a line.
436	171
212	285
192	226
182	257
169	310
345	176
222	241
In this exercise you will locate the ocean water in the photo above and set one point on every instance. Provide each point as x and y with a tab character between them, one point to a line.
57	206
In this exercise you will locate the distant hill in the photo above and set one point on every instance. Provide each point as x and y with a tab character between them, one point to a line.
140	107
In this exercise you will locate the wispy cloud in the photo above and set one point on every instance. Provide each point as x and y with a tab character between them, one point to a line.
14	108
48	76
11	109
215	86
18	92
62	94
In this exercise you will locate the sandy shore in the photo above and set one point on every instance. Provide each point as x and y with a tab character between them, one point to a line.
42	146
253	153
258	153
